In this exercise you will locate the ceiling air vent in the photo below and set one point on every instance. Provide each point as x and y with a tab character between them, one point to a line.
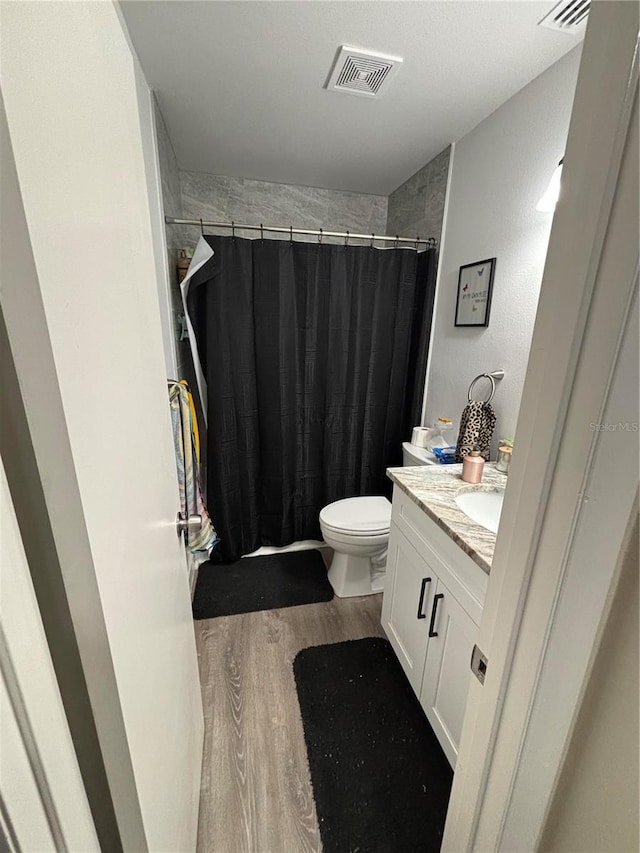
569	16
362	72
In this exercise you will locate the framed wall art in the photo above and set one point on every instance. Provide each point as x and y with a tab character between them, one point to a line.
475	283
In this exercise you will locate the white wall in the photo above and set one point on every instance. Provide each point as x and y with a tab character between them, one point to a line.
499	172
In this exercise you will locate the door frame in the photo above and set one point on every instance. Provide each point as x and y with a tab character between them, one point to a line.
43	802
566	482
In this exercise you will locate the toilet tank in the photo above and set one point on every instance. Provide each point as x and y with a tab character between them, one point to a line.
412	455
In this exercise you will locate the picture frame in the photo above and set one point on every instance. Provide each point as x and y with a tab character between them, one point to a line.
475	286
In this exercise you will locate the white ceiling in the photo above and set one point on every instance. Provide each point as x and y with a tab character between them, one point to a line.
241	84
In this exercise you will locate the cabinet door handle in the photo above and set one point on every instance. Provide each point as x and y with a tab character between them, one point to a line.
434	610
425	581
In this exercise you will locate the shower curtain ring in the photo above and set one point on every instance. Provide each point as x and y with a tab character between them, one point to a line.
261	232
395	242
346	239
372	239
320	236
417	241
201	228
233	229
291	233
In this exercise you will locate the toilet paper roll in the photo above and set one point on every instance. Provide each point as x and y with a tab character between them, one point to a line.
419	436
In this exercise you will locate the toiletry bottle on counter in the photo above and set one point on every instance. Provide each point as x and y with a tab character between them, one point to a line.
472	466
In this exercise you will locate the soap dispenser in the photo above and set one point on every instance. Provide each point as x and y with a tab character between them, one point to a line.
473	466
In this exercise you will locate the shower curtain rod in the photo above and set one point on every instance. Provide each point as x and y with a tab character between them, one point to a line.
346	235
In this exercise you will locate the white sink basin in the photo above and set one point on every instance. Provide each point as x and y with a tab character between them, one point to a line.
482	507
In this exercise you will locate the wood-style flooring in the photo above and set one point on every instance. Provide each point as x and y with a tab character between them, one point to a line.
256	793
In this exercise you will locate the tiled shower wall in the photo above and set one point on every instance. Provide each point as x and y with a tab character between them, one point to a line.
416	208
175	238
225	199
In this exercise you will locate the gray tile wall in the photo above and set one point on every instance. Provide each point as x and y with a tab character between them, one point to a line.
416	208
172	203
223	199
168	172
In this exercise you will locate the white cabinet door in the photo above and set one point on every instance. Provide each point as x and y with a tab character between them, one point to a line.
407	600
447	668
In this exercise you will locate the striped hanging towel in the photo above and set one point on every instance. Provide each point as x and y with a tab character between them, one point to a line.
185	439
476	427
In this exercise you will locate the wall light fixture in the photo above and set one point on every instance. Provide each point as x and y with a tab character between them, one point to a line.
547	203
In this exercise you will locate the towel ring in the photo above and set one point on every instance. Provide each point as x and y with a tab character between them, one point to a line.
477	379
492	377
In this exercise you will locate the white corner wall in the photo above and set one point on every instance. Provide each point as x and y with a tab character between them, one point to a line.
499	171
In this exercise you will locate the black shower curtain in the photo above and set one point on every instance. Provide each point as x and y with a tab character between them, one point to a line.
314	357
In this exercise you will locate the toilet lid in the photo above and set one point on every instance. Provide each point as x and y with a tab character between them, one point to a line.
366	515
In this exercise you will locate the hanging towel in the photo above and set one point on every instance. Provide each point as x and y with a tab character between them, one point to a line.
194	422
187	464
476	427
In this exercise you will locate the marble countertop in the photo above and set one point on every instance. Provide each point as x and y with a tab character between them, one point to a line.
434	487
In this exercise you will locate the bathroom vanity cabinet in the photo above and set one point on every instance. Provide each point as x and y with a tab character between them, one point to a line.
433	598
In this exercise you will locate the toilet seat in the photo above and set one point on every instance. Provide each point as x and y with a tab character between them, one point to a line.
367	516
340	538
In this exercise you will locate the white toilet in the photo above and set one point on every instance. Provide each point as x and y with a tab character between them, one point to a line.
358	531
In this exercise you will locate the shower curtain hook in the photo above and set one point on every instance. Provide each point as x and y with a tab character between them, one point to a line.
372	239
233	229
395	242
417	241
346	239
261	232
291	233
320	236
201	228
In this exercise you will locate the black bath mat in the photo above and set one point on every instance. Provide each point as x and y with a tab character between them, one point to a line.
381	782
261	583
